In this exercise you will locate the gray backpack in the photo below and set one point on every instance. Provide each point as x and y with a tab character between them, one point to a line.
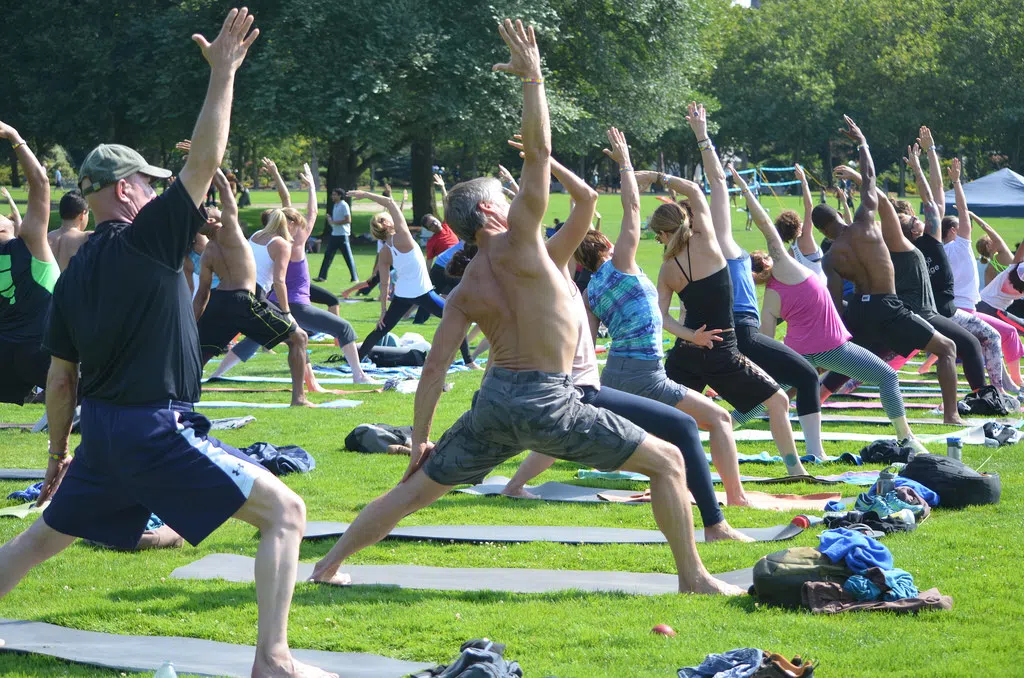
779	576
375	438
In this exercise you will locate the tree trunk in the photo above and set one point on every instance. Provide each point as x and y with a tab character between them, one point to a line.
343	167
902	192
422	180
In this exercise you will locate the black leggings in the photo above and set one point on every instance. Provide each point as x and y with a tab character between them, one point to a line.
783	364
370	284
335	243
396	311
319	295
672	426
968	349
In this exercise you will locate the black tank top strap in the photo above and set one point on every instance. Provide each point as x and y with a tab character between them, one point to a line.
676	259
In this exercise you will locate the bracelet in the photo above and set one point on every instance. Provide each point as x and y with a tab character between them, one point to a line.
532	81
705	145
932	148
625	168
14	147
860	146
663	178
57	457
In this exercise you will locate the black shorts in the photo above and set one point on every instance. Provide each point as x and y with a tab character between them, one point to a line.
443	283
230	312
881	321
723	368
23	367
138	460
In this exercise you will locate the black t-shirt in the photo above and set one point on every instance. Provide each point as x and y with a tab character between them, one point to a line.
25	284
940	273
912	284
123	310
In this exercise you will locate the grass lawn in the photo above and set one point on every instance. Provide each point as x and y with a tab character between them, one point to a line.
968	554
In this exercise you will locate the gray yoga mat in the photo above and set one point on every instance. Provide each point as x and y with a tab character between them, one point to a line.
875	405
235	568
877	396
214	404
189	655
274	380
22	473
754	435
518	534
880	421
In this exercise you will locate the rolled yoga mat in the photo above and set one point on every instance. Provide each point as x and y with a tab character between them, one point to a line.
22	473
236	568
554	491
520	534
189	655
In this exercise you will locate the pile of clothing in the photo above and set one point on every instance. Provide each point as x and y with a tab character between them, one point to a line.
899	510
750	662
875	583
479	658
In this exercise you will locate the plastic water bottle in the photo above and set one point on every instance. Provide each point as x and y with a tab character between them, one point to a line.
166	671
954	448
805	521
886	482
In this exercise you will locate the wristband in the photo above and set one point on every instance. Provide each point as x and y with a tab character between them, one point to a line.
57	457
932	148
14	147
663	178
625	168
705	145
532	81
860	146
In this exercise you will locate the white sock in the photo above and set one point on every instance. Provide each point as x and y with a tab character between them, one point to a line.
811	425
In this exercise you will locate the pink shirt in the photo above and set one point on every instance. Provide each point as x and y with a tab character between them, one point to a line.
813	324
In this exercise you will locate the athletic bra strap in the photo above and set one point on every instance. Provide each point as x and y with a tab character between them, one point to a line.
676	259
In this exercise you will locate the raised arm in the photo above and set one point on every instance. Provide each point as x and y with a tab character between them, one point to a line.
833	281
202	296
964	227
694	194
805	242
15	212
932	220
624	254
1002	254
721	213
527	210
280	254
210	136
507	178
784	263
309	181
37	216
270	167
403	236
439	182
447	339
563	244
868	197
847	215
926	141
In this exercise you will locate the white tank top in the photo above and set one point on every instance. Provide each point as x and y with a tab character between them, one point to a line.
411	272
999	293
264	265
584	363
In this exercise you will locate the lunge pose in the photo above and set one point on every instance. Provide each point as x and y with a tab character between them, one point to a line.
876	316
813	326
143	449
527	399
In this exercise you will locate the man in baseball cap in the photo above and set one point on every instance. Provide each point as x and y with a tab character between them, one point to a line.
109	163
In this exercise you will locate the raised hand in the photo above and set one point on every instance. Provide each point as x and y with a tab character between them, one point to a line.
522	44
5	194
851	130
306	177
517	143
267	165
799	172
619	151
184	146
913	156
8	132
846	172
925	138
645	179
228	49
954	170
229	208
505	175
438	181
705	337
698	119
358	195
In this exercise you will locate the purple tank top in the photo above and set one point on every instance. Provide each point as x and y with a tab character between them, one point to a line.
297	280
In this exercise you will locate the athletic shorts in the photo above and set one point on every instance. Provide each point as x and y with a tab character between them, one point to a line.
880	321
443	283
644	378
230	312
734	376
539	411
23	367
138	460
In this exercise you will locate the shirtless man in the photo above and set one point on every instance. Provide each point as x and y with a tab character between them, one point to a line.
235	306
527	400
860	253
74	217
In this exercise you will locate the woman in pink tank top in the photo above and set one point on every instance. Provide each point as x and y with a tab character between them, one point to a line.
814	328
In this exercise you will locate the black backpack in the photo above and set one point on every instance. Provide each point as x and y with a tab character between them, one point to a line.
985	401
375	438
957	484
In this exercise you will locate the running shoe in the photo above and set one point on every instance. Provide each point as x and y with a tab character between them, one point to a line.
874	504
897	504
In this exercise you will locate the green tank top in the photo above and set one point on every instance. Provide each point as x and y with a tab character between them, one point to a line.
26	285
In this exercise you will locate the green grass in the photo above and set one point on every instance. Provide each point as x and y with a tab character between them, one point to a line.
969	554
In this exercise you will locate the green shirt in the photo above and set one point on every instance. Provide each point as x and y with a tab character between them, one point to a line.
26	285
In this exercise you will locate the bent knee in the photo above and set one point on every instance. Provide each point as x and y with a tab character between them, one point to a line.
778	401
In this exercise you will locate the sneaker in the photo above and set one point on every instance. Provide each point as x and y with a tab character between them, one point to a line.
872	503
897	504
914	444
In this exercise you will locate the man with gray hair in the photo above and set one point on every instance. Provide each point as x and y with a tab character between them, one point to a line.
516	294
122	311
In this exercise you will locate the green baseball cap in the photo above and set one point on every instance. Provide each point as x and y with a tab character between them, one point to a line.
109	163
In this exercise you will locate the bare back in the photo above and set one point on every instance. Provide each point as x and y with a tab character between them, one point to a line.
231	258
860	255
523	305
65	243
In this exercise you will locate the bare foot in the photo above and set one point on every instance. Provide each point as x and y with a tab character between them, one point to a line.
323	575
399	449
362	378
520	493
738	501
474	366
302	403
723	531
290	668
953	419
715	587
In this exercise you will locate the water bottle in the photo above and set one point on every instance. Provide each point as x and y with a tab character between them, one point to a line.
166	671
886	482
954	448
806	521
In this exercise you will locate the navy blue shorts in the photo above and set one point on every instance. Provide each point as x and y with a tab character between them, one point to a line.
134	461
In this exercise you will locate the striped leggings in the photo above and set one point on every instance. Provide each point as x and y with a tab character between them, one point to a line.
863	366
991	345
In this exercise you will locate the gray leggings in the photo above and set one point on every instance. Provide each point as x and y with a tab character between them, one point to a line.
310	318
